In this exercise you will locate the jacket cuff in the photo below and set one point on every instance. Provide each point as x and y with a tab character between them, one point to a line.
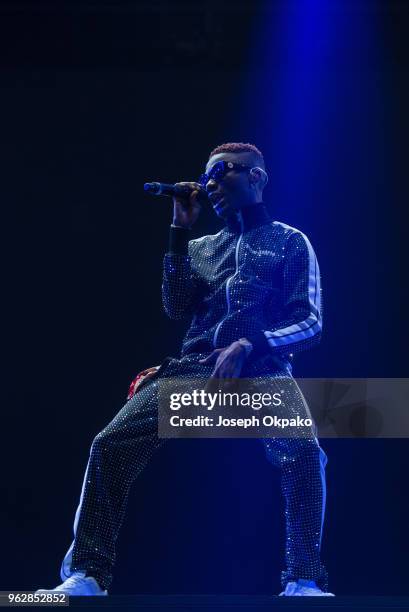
260	345
178	240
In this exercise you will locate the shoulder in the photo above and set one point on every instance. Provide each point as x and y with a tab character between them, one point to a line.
285	230
292	235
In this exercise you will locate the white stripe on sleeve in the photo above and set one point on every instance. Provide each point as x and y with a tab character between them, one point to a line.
312	324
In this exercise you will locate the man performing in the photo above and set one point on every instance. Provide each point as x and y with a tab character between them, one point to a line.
253	292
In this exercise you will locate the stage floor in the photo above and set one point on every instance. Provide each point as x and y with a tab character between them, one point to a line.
241	603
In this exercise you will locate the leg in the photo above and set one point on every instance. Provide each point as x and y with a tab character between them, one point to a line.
302	463
118	454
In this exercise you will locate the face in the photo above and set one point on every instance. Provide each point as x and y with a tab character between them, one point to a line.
236	189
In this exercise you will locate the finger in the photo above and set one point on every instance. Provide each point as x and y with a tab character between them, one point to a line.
216	371
227	368
211	357
218	365
223	372
224	360
207	359
189	185
194	197
214	375
218	368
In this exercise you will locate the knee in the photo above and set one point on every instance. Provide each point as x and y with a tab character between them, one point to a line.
102	442
292	451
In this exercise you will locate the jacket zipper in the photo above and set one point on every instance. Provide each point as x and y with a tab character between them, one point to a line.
216	333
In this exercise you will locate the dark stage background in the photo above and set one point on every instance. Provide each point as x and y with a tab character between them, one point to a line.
97	98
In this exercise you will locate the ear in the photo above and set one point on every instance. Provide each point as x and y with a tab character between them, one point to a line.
258	173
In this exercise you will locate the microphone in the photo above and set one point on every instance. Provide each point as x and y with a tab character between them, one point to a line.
165	189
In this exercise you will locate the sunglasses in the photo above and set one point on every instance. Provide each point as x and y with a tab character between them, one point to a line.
219	171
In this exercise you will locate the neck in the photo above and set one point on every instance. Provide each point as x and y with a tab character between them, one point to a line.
248	217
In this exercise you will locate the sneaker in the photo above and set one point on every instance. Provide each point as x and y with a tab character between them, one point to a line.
78	584
304	588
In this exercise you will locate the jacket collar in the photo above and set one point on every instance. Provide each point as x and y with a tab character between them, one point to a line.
247	218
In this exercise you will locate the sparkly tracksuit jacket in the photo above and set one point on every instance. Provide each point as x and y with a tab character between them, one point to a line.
257	279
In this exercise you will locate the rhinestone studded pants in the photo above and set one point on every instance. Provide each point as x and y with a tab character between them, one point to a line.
121	451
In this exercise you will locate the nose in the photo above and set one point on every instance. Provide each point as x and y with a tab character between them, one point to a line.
210	185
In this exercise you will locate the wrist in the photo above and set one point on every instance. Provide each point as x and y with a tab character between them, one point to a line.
178	239
260	344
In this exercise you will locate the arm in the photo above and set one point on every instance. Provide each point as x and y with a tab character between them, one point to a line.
180	287
301	322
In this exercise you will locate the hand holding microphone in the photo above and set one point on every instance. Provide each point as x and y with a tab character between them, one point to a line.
187	200
187	207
